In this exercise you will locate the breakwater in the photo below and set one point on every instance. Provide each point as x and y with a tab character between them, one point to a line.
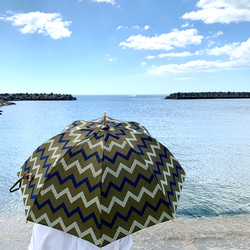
35	97
208	95
5	103
6	99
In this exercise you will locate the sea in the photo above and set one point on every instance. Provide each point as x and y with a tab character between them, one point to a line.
209	137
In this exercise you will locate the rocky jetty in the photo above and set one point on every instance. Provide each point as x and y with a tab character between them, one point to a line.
5	103
208	95
36	97
6	99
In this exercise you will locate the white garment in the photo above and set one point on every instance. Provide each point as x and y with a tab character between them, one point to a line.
47	238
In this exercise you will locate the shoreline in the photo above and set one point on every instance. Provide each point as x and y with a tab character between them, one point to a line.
205	233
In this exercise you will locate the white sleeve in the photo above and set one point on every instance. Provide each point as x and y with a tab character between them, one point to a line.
125	243
47	238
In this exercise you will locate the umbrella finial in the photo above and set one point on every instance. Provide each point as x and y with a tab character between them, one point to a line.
105	126
104	118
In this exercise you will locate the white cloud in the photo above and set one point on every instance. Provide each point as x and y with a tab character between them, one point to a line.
185	25
238	58
50	24
236	51
143	64
103	1
180	54
122	28
136	27
219	33
151	57
168	41
191	66
221	11
110	58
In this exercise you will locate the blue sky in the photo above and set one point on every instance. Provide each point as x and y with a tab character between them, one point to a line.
124	46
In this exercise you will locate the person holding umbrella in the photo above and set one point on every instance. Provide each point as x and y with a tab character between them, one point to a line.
99	181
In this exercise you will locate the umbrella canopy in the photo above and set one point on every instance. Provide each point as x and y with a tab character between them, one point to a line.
101	182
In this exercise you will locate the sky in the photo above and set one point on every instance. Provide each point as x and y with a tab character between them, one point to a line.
94	47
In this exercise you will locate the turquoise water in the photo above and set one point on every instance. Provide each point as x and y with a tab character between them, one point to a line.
210	138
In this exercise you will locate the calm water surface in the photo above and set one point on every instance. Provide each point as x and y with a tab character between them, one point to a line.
210	138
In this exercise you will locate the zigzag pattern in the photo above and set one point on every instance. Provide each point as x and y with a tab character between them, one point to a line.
94	217
136	226
87	180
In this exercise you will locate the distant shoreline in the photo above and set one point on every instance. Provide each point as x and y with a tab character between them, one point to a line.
208	95
36	97
6	99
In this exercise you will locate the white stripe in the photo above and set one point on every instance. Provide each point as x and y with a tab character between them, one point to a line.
79	167
90	231
71	198
132	196
121	166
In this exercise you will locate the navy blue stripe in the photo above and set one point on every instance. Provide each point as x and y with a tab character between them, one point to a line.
75	183
103	221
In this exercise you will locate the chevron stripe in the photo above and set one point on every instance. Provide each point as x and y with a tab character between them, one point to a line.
134	210
132	150
77	210
177	193
114	199
25	198
85	156
90	131
36	167
160	163
153	153
75	134
26	169
79	167
173	183
66	142
127	180
136	226
68	213
72	198
53	150
133	139
73	126
107	135
164	183
121	167
132	196
100	144
98	185
44	157
138	127
75	183
65	229
99	241
76	125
